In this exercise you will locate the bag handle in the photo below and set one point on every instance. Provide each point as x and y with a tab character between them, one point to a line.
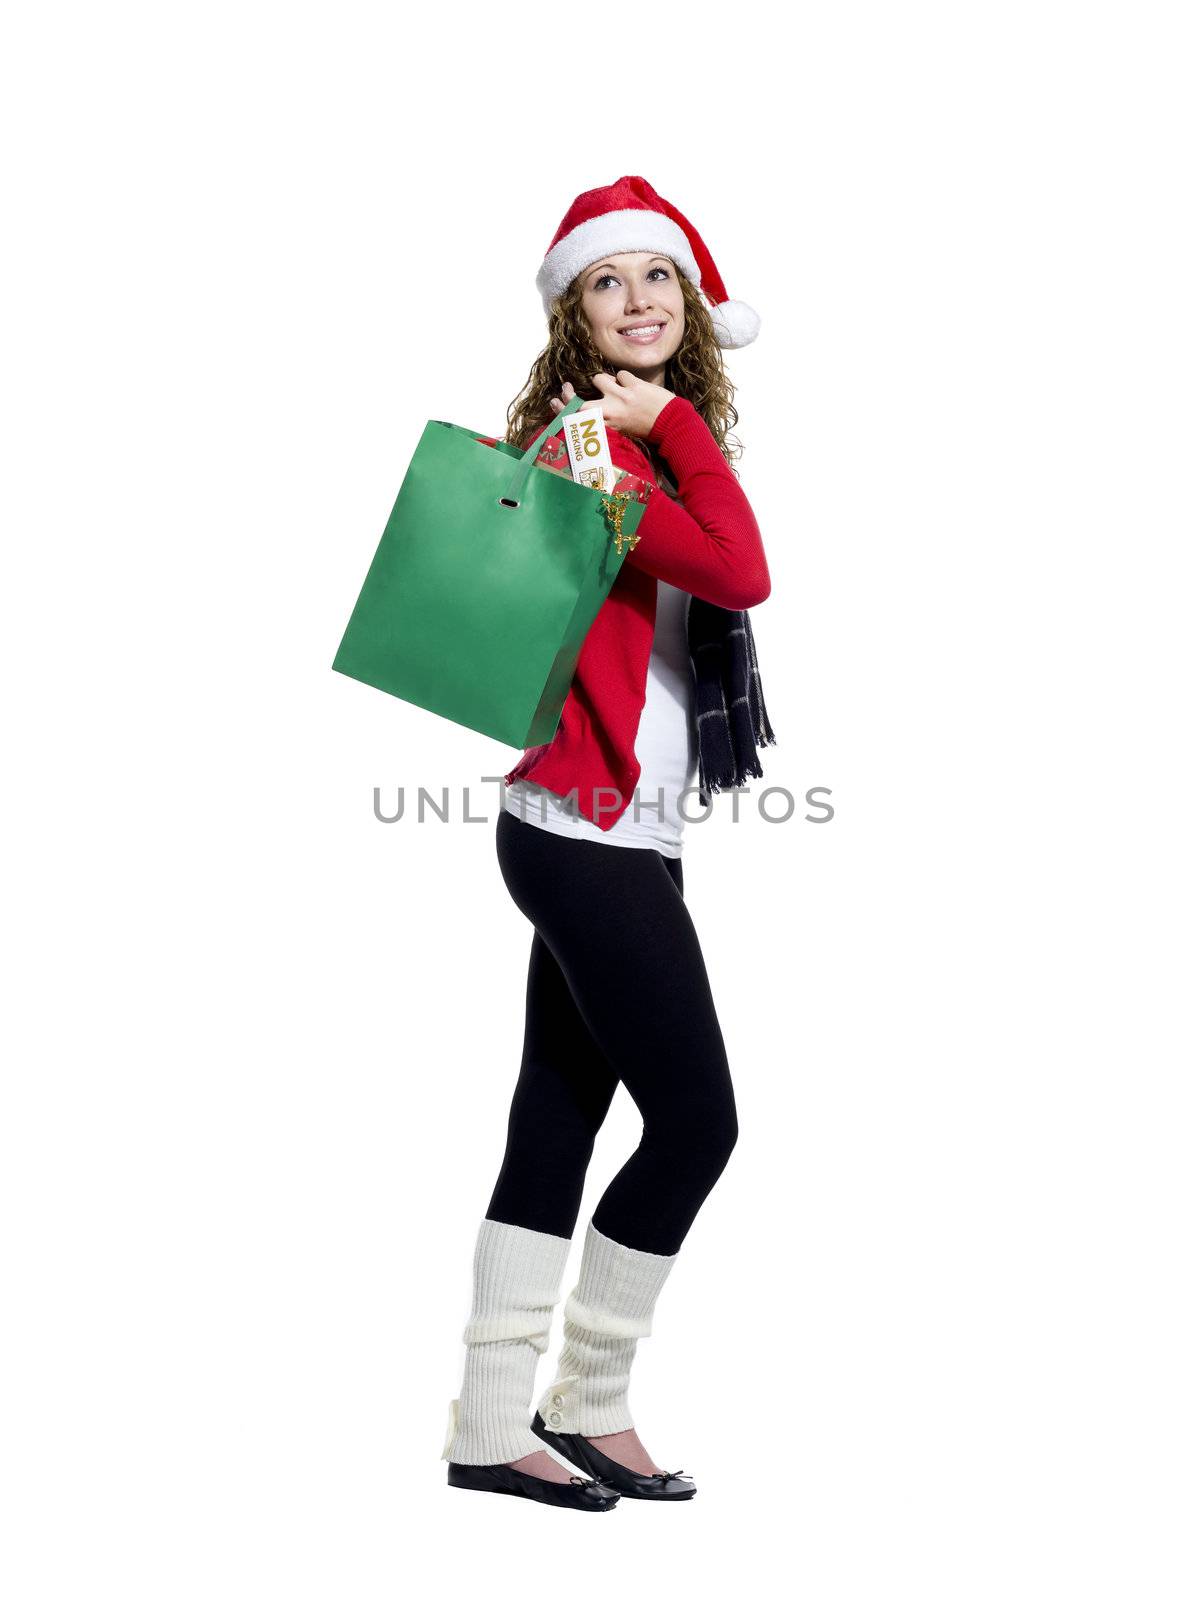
512	495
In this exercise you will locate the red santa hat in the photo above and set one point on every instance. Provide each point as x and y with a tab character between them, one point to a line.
629	216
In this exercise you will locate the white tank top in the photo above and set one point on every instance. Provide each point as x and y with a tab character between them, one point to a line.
665	747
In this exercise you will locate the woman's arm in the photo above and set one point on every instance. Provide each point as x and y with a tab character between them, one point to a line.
707	542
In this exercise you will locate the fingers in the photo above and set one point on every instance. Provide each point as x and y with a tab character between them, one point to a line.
623	380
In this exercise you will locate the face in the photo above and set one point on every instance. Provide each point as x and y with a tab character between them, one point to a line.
640	293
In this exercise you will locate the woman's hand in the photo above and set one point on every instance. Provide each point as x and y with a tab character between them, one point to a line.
628	402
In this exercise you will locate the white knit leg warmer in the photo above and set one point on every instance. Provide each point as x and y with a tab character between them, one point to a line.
517	1276
604	1316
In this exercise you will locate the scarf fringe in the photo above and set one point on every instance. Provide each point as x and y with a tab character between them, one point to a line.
723	782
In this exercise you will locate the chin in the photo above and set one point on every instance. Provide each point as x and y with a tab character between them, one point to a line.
634	357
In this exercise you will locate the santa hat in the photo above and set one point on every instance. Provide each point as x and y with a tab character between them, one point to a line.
629	216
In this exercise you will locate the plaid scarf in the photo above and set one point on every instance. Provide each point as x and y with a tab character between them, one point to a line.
731	716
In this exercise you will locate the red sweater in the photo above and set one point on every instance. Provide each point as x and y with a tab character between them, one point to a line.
707	542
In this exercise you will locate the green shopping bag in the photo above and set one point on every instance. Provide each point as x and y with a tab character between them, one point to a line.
486	580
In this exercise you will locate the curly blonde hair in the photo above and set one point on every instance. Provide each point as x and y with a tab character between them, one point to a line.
695	371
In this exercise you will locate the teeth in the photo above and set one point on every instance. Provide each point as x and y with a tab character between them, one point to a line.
647	327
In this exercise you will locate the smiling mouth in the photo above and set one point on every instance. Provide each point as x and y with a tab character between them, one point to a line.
643	332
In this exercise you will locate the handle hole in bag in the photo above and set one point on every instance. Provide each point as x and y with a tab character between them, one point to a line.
505	501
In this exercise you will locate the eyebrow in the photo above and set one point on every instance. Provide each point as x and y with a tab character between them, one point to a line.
611	268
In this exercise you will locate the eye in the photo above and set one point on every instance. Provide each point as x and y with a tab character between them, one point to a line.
607	277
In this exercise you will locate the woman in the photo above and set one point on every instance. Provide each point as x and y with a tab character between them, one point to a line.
589	842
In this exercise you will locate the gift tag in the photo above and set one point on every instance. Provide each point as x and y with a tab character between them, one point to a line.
587	449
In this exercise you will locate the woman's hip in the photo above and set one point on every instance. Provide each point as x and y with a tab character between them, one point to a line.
545	871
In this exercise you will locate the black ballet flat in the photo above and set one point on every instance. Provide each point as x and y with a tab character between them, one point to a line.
580	1494
630	1485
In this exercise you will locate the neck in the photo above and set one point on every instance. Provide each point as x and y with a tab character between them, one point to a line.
656	375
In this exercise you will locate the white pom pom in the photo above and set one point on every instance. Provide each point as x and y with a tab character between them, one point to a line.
735	324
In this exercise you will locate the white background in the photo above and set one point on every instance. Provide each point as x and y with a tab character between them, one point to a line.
934	1332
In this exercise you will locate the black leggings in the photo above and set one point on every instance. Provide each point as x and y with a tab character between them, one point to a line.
617	992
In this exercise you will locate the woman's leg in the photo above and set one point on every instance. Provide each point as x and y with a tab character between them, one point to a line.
563	1093
624	946
625	949
564	1089
516	1276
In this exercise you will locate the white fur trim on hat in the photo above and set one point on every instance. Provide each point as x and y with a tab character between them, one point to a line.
735	324
612	234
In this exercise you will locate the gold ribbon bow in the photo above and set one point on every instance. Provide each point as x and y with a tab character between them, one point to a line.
614	514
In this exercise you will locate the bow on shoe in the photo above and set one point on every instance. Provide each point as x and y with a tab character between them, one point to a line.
667	1476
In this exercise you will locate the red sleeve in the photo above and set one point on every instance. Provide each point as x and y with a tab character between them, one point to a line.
707	542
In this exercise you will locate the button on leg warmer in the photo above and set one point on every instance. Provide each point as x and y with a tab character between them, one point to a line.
604	1316
517	1276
